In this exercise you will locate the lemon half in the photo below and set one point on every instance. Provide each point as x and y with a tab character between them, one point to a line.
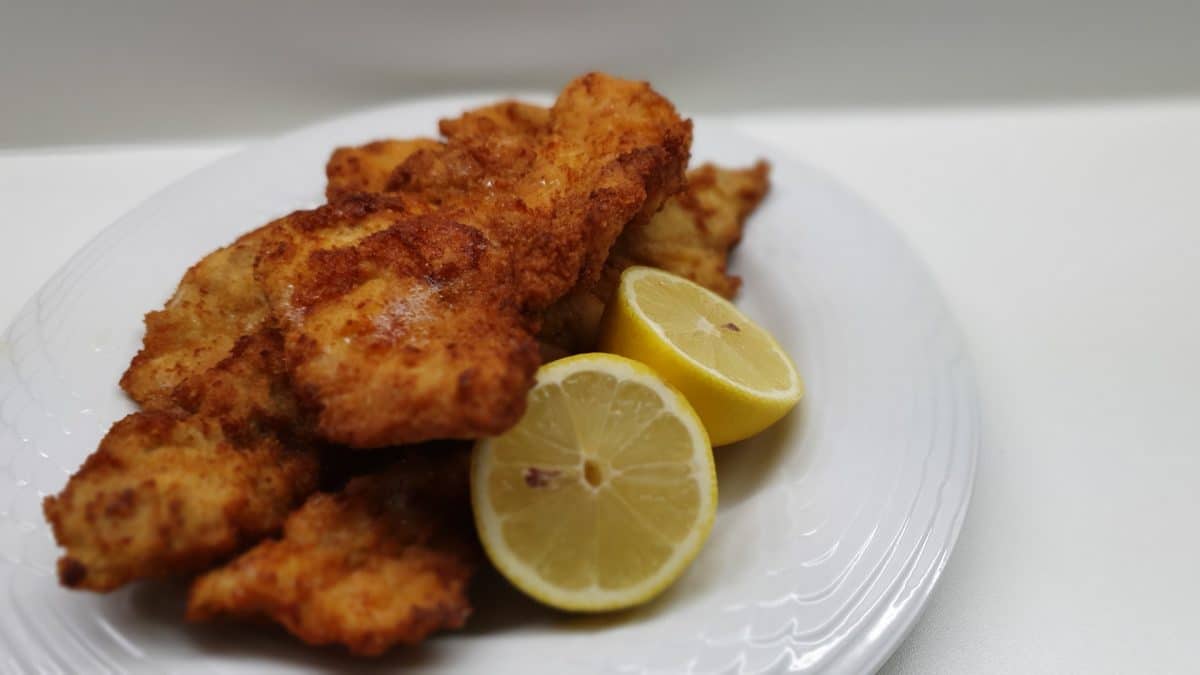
736	376
603	493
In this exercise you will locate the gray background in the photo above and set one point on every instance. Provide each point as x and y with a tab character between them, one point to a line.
130	70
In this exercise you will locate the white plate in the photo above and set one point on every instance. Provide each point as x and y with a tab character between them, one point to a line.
834	525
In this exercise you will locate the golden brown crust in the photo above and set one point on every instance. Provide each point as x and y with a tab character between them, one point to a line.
487	151
694	233
216	303
407	329
616	151
406	315
691	236
366	168
221	452
170	492
377	319
506	120
384	561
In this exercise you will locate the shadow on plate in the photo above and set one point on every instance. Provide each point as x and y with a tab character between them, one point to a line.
500	607
744	467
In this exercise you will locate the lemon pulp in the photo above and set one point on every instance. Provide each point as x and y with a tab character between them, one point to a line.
603	493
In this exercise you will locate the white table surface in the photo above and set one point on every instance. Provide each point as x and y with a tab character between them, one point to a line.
1067	240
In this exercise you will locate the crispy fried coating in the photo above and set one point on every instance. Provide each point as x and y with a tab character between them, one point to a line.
482	148
374	320
384	561
517	148
691	236
694	233
216	303
407	316
367	168
174	490
487	150
221	452
615	152
509	119
411	331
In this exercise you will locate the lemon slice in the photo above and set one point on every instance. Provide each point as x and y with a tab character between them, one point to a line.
603	493
732	371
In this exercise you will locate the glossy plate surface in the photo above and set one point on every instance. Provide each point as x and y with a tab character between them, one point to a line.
833	527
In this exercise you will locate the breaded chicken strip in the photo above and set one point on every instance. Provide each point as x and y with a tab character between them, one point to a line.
367	168
487	150
694	233
510	120
409	316
411	330
691	236
385	561
173	490
220	454
216	303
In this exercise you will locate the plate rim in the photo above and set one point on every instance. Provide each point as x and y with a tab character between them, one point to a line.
901	625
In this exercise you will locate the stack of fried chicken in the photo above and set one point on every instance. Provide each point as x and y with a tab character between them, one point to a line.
308	392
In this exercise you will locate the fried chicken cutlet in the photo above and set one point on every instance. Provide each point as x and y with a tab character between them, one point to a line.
694	233
476	177
215	304
384	561
220	452
410	316
367	168
218	301
175	489
215	308
412	331
691	236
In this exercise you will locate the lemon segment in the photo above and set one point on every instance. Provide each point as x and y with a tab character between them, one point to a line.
603	493
734	373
